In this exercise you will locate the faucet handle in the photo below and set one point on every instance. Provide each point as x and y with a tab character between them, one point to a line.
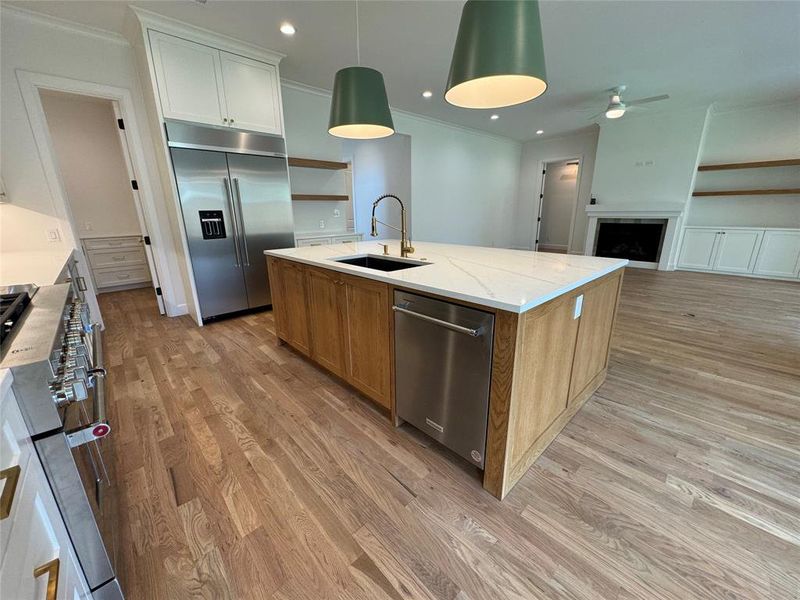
409	249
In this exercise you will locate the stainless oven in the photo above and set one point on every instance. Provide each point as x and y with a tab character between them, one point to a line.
56	357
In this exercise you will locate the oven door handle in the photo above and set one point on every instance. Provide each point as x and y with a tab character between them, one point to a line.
99	375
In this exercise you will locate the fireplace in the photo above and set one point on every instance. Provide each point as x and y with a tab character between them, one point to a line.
637	240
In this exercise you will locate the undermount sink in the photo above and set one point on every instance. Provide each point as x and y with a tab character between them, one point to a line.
380	263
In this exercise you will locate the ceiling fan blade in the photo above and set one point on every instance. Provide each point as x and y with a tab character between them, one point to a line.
647	100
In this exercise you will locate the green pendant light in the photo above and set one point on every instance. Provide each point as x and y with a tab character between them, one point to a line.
359	106
498	59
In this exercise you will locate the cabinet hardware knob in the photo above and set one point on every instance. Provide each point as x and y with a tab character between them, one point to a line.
11	475
50	569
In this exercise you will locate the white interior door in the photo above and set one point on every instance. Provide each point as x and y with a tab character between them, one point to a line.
148	248
698	248
251	93
779	254
737	250
189	78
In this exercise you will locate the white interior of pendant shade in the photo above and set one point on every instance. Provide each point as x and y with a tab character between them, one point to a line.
495	91
361	131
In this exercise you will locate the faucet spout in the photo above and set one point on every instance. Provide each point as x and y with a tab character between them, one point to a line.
405	242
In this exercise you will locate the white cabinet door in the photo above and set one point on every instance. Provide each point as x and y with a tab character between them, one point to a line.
189	78
313	242
251	93
737	250
779	255
39	539
698	248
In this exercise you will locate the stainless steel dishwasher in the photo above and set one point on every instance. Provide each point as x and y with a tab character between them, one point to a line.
443	363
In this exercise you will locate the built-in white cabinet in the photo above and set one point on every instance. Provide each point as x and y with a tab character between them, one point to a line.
202	84
327	240
741	250
117	261
779	255
36	548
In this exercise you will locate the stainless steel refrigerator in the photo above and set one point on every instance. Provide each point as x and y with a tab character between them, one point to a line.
236	203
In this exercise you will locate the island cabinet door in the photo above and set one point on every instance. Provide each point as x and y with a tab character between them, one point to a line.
594	335
288	282
326	314
368	343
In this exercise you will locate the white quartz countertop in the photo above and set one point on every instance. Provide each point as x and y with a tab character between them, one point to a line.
40	267
512	280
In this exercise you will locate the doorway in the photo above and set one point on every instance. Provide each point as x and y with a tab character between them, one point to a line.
92	155
558	199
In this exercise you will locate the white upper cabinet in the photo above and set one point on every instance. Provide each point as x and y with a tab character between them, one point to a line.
201	84
189	78
698	249
251	92
779	255
737	250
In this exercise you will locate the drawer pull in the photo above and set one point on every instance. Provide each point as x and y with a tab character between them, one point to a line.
50	569
118	258
11	475
126	276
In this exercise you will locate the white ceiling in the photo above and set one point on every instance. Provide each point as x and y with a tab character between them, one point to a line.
731	52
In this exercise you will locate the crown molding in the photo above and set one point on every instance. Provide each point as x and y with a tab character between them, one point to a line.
310	89
152	20
64	24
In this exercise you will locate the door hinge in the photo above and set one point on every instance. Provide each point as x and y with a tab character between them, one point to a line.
147	240
134	184
539	220
120	123
158	291
544	172
541	196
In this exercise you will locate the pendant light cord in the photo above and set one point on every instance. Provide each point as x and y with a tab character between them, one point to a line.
358	39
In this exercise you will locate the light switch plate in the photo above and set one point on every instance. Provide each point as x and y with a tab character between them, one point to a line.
53	235
578	307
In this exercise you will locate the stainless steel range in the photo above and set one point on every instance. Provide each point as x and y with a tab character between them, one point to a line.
55	354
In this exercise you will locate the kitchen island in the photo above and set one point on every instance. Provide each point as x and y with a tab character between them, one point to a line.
553	316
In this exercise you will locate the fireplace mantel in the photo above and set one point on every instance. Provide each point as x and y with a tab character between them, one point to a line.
671	211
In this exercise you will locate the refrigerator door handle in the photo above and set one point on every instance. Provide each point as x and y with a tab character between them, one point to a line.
241	220
232	208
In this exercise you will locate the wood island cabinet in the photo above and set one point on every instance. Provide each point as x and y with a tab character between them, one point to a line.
341	322
546	361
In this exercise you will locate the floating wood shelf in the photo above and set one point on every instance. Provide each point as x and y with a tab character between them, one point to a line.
789	162
313	163
321	197
747	192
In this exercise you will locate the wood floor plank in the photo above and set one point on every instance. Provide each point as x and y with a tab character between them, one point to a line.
246	472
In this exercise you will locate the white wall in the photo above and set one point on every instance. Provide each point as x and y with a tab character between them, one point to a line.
463	182
40	45
747	135
534	154
89	154
648	158
558	204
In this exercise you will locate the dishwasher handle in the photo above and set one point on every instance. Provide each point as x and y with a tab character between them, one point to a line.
446	324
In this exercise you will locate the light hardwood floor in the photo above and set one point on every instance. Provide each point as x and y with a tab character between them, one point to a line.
246	472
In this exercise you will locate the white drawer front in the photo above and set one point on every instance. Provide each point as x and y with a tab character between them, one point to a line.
117	258
344	239
112	242
313	242
122	276
16	449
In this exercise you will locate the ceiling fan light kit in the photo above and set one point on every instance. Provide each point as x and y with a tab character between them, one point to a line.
359	105
498	59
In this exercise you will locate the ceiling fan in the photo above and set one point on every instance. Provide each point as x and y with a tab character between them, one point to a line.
618	107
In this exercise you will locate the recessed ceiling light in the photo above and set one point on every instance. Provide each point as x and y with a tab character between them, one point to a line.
494	117
288	29
427	94
539	132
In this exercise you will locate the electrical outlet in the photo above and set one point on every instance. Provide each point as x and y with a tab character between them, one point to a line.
322	223
53	235
337	212
87	226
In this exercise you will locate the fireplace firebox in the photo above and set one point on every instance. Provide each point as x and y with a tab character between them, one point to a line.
635	239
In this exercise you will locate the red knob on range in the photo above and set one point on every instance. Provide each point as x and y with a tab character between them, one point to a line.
101	430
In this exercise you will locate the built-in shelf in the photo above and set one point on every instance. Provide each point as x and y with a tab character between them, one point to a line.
747	192
320	197
313	163
789	162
